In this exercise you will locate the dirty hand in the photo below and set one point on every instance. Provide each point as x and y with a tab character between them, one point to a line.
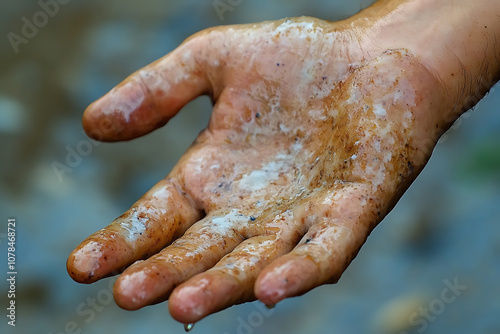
312	140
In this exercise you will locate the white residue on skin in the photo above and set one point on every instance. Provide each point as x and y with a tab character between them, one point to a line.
353	157
181	76
297	146
252	253
87	258
131	285
284	129
255	249
222	225
333	113
331	233
285	267
408	116
280	272
134	224
398	95
155	211
256	180
198	165
322	91
182	73
260	179
187	55
176	72
161	194
187	293
376	173
273	101
227	266
275	104
308	73
333	198
317	114
300	30
385	132
283	221
379	110
154	80
354	95
124	105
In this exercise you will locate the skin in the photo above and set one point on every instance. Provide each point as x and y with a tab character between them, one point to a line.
317	130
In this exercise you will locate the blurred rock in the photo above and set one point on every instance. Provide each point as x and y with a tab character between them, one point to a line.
13	116
394	315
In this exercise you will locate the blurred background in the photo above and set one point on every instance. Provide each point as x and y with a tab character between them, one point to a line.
445	231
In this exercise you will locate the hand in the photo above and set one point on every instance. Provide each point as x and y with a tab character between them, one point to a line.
312	140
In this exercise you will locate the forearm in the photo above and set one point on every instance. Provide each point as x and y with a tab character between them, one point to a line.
457	40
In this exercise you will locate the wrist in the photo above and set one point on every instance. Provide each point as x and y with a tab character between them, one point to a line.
455	40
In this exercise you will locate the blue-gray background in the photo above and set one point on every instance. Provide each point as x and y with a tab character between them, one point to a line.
446	227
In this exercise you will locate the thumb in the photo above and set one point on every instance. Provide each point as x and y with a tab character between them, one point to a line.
148	98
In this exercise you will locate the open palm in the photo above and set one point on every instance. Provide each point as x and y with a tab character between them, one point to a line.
310	144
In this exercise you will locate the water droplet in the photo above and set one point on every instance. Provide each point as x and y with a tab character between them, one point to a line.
188	327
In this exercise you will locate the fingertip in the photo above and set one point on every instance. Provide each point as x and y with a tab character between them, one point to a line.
102	254
97	125
126	112
84	263
128	291
269	289
143	284
74	272
185	304
286	277
202	295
